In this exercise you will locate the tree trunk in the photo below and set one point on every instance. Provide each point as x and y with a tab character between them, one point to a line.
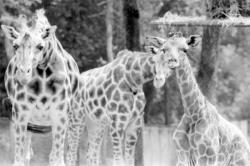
131	23
207	75
109	29
132	42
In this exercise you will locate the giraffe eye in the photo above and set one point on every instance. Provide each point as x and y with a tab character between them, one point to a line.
39	47
15	46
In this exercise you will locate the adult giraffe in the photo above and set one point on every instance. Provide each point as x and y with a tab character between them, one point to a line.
42	83
203	137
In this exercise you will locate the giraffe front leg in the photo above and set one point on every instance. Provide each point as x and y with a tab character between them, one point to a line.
73	136
59	127
20	135
117	138
96	132
182	159
132	134
28	148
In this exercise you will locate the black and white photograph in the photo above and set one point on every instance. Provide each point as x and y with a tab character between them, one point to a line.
124	83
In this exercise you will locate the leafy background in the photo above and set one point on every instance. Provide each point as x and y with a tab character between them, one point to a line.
81	30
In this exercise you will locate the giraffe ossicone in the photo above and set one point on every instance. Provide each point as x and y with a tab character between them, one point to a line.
42	84
203	137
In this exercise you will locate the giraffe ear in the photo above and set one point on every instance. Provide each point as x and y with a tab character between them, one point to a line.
48	32
10	32
193	40
152	44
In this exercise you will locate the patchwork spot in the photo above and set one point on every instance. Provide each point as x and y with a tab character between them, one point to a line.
118	74
103	101
116	96
139	105
15	70
52	84
9	88
20	96
109	74
99	92
10	66
112	106
44	99
75	85
90	105
183	140
16	110
69	65
92	92
61	106
98	113
31	99
48	72
99	80
136	77
148	74
129	63
106	84
129	80
35	87
96	102
136	66
24	107
202	149
122	109
63	120
63	94
109	91
124	86
19	86
40	72
123	118
142	61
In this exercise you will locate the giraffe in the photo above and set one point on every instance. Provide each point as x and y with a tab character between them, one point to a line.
112	95
42	84
203	137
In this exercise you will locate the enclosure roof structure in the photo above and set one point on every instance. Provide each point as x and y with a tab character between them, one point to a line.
176	20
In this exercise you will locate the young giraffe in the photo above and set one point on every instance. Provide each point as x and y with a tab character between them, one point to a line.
112	96
41	80
203	137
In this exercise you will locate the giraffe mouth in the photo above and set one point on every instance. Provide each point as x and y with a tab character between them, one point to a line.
172	63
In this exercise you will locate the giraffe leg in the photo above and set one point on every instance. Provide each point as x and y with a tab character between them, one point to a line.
20	135
134	128
181	159
59	127
95	138
73	135
28	148
131	137
117	139
240	153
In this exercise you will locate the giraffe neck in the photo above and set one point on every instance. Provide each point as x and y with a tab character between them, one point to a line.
52	46
142	69
192	97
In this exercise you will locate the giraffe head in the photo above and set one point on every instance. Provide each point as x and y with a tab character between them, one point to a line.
29	48
168	54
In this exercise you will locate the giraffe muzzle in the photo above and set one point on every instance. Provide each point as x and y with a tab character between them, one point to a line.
173	63
24	76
